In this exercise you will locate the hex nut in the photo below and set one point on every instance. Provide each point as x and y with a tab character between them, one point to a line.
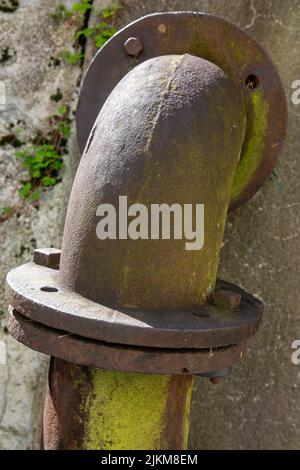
227	299
216	380
133	46
49	257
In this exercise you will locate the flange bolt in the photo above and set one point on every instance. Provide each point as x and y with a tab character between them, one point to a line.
227	299
133	46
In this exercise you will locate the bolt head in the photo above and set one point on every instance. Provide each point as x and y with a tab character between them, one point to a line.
227	299
216	380
49	257
133	46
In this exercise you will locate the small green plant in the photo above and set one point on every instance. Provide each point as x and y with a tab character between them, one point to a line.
6	211
69	57
61	12
82	7
106	28
100	33
43	158
43	164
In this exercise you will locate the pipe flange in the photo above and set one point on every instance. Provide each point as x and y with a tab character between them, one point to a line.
88	352
35	292
213	39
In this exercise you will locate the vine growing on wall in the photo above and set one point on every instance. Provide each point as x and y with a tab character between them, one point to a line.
43	156
99	33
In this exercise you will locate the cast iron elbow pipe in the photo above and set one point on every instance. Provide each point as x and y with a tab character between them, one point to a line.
170	132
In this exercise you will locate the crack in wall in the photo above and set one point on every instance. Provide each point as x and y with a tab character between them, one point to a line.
254	15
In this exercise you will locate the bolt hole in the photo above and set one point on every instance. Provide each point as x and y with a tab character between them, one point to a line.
252	82
49	289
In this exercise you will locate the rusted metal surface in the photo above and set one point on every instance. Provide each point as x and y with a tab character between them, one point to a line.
218	41
227	299
133	46
158	139
49	257
216	380
207	326
84	351
67	390
66	423
175	412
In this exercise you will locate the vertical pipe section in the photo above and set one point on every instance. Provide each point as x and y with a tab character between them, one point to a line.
88	408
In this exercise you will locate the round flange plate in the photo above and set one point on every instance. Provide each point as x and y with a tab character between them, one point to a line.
87	352
220	42
35	291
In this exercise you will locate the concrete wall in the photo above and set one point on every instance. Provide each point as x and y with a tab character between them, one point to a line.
257	407
33	40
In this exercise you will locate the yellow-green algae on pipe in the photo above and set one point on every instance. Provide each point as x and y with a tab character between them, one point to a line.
135	411
88	408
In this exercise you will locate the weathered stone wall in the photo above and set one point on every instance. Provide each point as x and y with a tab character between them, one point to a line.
33	39
257	407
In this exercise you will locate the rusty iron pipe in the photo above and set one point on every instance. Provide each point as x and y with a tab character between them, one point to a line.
183	118
170	132
159	138
88	408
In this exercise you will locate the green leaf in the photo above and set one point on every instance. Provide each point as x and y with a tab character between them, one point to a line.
36	174
40	166
62	109
7	210
63	54
101	25
57	165
47	181
103	37
81	7
70	58
64	129
22	154
19	130
61	12
117	5
86	32
44	152
34	196
37	159
25	190
109	12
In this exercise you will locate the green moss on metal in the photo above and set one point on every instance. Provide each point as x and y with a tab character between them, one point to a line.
254	145
237	52
201	265
125	411
186	420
